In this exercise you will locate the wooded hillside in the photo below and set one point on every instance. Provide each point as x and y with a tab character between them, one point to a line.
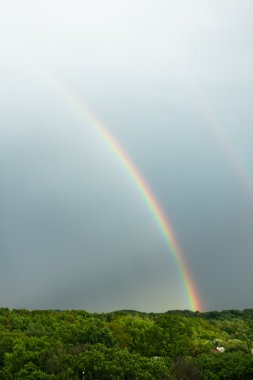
75	344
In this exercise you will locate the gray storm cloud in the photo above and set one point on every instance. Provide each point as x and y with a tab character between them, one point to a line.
74	231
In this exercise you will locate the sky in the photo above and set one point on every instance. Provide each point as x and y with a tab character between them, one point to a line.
172	81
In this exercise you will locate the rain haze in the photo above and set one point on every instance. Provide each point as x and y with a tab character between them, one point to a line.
172	81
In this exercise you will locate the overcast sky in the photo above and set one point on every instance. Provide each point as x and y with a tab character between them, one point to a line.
172	80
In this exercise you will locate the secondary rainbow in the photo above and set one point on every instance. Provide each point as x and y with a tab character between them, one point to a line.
228	148
191	293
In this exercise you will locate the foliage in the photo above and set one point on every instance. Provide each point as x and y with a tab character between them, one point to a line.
53	344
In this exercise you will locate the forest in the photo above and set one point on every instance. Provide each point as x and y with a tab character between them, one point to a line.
75	344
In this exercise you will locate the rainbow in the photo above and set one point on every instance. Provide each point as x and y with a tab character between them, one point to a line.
230	153
228	149
165	227
154	207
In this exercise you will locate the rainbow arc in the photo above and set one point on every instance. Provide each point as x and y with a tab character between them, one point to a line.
165	227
